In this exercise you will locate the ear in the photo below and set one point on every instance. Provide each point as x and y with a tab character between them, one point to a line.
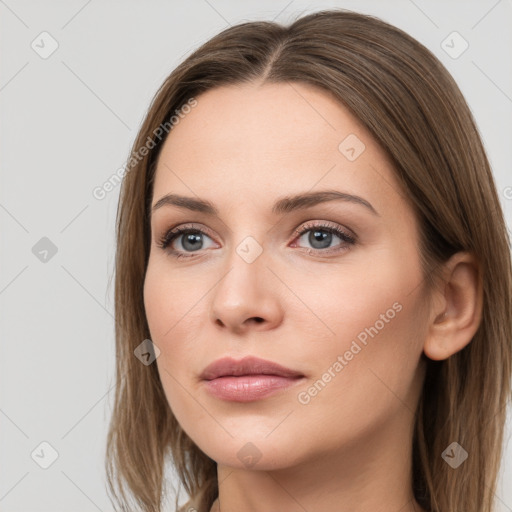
456	309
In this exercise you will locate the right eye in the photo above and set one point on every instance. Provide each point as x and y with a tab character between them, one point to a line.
191	240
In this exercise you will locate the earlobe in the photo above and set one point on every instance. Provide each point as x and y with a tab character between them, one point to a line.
457	313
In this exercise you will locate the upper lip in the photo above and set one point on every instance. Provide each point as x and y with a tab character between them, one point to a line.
227	366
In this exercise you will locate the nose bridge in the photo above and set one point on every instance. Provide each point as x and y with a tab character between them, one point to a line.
246	241
246	268
246	291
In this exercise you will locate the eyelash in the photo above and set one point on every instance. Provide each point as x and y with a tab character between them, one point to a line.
172	234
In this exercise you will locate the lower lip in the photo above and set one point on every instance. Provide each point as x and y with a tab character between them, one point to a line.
248	388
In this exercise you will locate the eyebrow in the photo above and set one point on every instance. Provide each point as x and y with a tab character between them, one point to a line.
283	205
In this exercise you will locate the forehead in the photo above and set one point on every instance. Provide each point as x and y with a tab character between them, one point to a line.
257	142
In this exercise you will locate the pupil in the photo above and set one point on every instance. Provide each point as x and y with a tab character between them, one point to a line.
194	240
320	236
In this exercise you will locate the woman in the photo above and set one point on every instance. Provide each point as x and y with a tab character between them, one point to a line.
313	272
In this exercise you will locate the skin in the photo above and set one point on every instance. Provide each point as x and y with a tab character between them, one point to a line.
349	448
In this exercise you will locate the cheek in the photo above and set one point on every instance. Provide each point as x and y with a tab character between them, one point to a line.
166	303
175	305
371	343
339	302
171	318
366	377
170	300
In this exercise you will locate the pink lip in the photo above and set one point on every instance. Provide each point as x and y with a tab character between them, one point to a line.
248	379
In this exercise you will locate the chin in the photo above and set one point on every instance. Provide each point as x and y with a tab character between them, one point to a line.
249	451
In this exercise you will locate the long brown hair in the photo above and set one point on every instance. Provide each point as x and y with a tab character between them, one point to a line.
405	97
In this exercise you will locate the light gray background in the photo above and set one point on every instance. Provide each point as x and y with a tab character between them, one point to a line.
67	123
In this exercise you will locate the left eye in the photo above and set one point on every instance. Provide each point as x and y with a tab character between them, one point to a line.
321	237
192	239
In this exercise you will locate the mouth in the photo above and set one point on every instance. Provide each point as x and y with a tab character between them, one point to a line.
247	380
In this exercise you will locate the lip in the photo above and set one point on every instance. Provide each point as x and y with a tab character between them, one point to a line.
248	379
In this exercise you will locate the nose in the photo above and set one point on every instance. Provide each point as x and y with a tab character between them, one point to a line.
247	297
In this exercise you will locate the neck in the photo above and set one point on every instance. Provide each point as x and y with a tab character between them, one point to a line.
372	473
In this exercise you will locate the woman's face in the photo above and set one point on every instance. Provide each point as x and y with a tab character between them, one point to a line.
341	305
